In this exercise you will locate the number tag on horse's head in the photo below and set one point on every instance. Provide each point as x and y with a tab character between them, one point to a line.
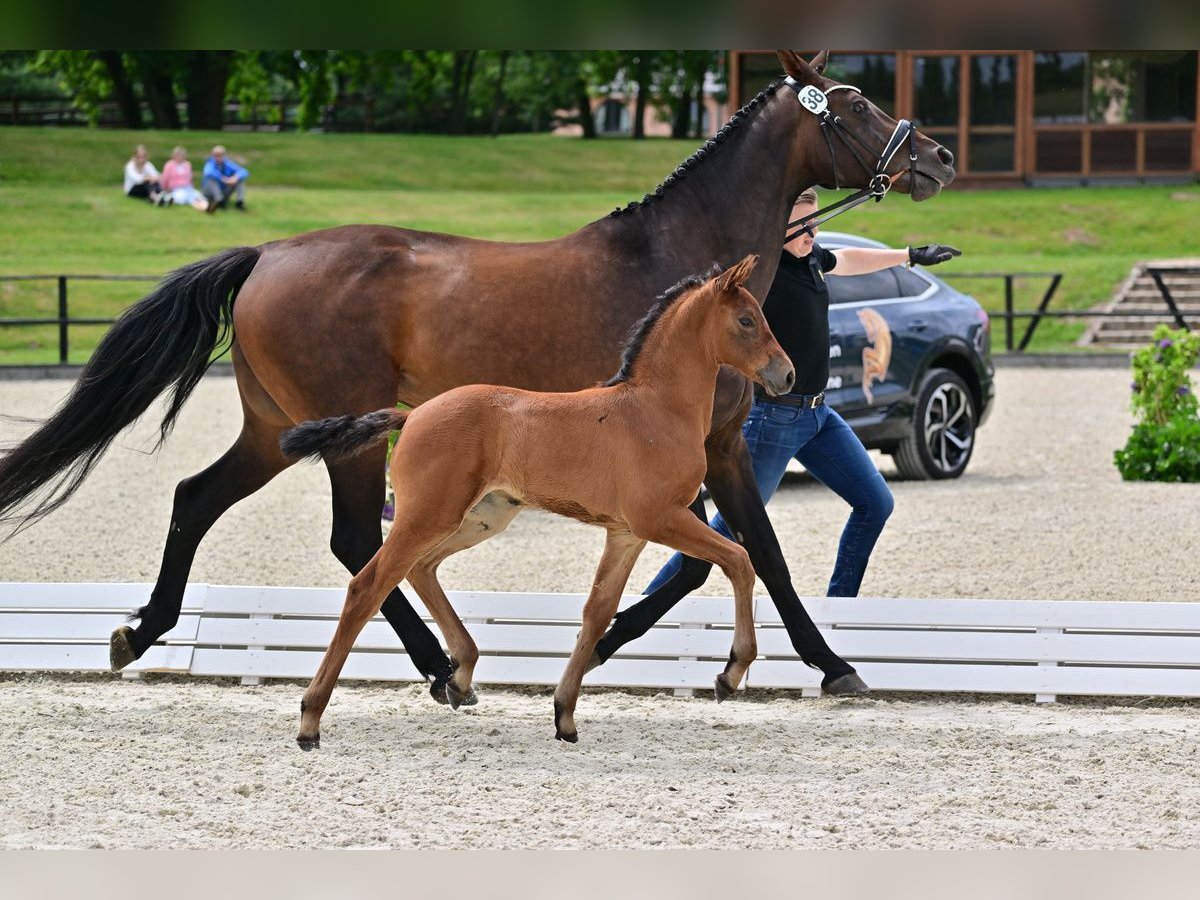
813	99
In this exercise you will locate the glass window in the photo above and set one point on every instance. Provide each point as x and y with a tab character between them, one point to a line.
993	91
1115	88
1170	90
1058	87
911	284
872	73
992	152
936	88
853	288
757	70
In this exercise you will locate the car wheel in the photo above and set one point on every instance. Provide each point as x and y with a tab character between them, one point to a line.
943	429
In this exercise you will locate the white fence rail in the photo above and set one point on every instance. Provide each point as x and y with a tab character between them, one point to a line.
996	646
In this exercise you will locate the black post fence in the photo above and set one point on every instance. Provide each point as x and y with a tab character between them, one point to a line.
64	320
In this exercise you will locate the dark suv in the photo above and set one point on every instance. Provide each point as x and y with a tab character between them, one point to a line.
910	364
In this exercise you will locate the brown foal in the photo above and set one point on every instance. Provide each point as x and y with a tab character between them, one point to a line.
628	456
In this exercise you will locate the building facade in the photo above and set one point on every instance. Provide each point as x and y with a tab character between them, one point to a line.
1029	116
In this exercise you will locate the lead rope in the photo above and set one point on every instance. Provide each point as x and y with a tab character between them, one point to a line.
815	101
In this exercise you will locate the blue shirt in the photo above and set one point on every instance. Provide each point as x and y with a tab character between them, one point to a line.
227	168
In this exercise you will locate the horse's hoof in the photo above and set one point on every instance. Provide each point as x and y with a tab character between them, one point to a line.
723	688
120	651
437	690
846	685
309	743
569	737
457	698
593	663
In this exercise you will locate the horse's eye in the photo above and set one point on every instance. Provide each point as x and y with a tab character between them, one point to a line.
746	322
860	107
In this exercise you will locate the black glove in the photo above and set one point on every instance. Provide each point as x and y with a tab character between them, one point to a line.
932	254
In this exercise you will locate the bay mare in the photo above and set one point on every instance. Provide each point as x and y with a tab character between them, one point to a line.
627	456
354	319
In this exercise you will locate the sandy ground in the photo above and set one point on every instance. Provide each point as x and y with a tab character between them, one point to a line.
1040	514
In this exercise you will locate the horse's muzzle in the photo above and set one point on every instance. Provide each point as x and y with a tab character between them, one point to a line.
778	376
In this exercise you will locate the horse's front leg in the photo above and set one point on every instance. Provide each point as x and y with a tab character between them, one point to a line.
730	481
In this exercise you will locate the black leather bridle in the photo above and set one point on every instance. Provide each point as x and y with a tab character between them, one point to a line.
813	99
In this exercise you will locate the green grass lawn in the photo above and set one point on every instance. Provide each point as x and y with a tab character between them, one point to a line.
62	211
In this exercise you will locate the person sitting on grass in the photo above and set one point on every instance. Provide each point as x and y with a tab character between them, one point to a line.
141	178
177	181
223	178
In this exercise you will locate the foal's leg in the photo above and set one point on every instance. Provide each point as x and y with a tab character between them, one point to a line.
252	461
682	531
621	551
358	490
488	518
422	522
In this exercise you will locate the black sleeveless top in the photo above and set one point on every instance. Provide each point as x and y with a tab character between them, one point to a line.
797	309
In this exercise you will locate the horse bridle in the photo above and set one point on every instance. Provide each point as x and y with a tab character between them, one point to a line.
832	126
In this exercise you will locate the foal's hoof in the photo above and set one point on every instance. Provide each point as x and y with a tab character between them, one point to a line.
570	736
120	651
845	685
723	688
457	698
309	743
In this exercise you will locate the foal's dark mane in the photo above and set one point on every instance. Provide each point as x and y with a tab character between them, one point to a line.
642	328
705	150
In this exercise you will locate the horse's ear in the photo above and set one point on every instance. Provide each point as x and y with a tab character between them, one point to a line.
796	66
738	274
819	61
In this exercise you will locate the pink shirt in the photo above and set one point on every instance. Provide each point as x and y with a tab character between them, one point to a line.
176	175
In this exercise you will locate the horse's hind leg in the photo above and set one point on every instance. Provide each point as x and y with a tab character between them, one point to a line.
424	518
488	518
621	551
358	492
252	461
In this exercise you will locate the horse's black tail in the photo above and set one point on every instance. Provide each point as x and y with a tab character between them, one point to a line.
341	435
165	340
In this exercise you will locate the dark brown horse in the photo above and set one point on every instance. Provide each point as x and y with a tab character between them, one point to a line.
627	456
354	319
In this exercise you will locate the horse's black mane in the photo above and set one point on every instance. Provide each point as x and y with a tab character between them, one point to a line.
642	328
709	146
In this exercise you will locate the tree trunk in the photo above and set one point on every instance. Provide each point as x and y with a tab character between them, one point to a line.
698	82
681	121
498	97
154	70
206	74
127	101
460	89
586	120
643	89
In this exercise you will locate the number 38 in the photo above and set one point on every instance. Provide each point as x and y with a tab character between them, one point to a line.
813	99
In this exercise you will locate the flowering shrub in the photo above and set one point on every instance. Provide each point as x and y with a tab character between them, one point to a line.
1165	443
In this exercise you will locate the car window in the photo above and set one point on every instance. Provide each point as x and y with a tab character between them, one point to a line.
911	284
854	288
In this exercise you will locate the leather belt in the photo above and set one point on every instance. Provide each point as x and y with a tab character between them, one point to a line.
806	401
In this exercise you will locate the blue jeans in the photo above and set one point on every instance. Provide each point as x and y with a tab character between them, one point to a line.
821	441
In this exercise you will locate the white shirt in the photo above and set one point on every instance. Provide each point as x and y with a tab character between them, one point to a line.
133	176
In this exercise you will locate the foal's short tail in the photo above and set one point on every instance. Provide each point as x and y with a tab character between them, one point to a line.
164	342
340	436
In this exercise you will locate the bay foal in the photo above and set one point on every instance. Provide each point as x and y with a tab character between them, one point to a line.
627	456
